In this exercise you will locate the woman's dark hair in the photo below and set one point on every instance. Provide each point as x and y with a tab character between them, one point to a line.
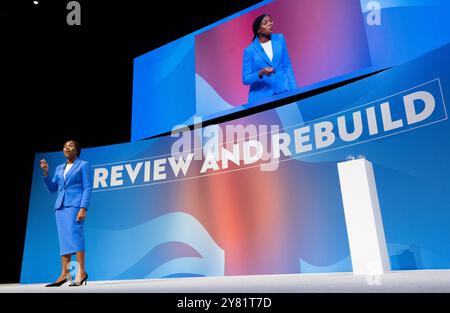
256	24
77	146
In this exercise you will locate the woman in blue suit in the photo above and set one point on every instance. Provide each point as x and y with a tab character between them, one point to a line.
72	181
267	67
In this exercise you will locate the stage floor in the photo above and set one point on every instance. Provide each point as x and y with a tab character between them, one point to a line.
396	281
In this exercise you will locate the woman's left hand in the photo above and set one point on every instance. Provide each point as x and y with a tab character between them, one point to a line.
81	215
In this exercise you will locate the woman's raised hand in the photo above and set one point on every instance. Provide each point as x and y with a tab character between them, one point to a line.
44	167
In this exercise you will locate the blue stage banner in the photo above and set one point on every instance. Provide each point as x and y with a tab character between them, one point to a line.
271	202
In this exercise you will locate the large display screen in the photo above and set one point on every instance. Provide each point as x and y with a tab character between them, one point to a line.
208	74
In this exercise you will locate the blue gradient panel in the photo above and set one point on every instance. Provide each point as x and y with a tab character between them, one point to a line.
164	88
409	28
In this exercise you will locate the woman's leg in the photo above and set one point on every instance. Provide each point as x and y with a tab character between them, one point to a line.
65	260
81	271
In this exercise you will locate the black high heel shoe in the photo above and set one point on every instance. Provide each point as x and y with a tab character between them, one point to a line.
59	283
80	283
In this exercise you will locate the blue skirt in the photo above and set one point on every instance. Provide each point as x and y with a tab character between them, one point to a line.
70	232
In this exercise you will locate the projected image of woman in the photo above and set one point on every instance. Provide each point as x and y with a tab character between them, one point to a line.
72	181
267	67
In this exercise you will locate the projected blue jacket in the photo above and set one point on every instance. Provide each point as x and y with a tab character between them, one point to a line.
255	59
76	189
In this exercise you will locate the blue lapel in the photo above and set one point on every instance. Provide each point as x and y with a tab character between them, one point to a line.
277	50
259	49
76	163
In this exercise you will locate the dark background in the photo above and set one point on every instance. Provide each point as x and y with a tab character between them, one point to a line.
61	82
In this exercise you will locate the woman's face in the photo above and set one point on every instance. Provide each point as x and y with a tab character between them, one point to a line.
266	26
70	151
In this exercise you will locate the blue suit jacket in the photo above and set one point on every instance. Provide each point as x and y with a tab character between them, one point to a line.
255	59
76	189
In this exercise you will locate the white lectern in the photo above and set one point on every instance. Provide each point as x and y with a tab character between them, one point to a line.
367	243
